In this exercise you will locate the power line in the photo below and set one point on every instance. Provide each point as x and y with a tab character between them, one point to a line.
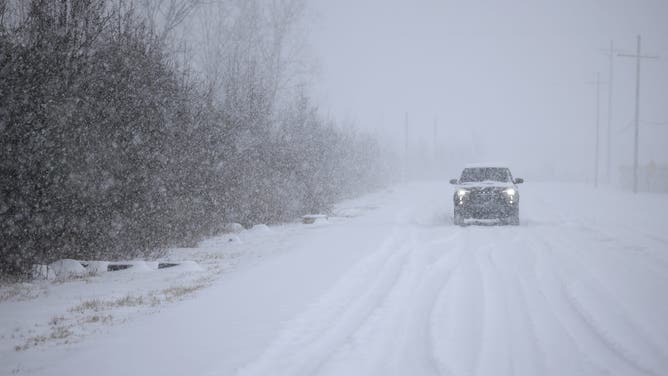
631	123
642	122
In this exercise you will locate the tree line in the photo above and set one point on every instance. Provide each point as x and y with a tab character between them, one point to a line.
113	146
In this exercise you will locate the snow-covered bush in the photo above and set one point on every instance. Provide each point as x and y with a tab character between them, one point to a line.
111	150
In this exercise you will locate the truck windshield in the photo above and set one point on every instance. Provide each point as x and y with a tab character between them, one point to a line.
485	174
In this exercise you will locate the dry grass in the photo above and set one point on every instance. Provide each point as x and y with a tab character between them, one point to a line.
96	311
85	277
204	257
98	319
153	299
127	301
60	332
57	333
96	305
178	292
20	292
88	305
55	320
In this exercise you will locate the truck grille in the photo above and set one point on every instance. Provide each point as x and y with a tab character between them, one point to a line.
487	196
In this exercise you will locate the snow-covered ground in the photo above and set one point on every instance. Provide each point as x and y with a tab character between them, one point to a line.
386	286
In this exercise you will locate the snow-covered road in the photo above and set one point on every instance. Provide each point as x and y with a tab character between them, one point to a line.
579	288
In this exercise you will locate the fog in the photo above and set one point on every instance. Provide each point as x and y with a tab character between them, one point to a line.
98	95
265	187
503	81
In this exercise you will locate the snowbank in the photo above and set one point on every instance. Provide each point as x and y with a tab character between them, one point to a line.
234	228
132	266
67	268
232	238
96	267
42	272
261	228
189	266
314	218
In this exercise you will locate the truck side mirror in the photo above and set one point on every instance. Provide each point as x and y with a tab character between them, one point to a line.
453	181
519	181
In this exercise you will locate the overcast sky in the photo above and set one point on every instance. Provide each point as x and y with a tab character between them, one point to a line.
506	80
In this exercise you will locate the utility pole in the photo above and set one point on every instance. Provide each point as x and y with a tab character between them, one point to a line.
608	149
405	147
598	84
406	134
435	148
636	132
435	137
598	117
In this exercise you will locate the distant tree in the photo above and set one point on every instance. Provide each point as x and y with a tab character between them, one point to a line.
164	16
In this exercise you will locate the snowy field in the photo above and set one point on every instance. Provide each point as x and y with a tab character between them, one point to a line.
386	286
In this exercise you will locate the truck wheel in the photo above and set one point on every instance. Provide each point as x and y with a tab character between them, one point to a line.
457	219
514	219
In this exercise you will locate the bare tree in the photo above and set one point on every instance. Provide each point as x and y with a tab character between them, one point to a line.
286	53
12	12
3	11
164	16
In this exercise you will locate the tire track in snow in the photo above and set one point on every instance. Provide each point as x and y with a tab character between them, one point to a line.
528	353
430	279
656	262
397	340
461	306
499	350
408	311
629	284
594	281
445	268
567	351
307	343
494	353
560	353
608	351
458	314
653	261
616	322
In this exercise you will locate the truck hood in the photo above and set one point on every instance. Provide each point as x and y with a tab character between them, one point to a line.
485	184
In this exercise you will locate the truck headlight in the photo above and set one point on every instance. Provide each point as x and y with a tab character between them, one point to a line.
461	193
510	192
